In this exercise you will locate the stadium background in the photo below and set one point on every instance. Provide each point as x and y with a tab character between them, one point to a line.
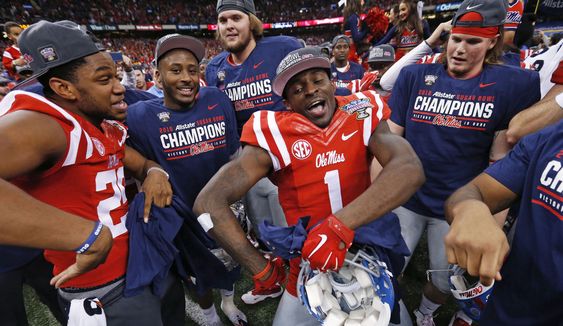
134	26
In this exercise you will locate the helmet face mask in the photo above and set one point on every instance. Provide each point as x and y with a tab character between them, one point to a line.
360	290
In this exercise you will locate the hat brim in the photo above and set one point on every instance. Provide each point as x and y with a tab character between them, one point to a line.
309	63
185	43
30	81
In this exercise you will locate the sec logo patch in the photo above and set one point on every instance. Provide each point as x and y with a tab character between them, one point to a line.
301	149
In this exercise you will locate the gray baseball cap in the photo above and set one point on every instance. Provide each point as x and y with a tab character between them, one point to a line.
340	37
492	12
46	45
296	62
177	41
246	6
381	53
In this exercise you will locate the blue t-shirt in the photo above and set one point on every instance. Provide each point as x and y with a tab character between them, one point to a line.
451	123
343	79
531	290
192	144
249	85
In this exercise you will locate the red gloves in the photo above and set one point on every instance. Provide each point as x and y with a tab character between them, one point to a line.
327	243
276	277
368	79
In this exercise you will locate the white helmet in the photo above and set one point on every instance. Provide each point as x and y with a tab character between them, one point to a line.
360	293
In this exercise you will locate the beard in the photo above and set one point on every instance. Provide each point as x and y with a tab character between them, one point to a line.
235	47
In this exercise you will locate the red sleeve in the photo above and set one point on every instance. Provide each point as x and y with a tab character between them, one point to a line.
262	130
7	62
557	76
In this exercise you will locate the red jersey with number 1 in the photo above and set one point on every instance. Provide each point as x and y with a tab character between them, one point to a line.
87	181
318	171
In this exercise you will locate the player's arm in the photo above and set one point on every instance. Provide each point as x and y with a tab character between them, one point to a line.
475	240
26	221
401	176
228	185
543	113
156	187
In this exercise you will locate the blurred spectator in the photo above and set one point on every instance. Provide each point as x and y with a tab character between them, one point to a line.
11	59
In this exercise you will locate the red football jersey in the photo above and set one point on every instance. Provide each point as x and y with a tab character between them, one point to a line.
10	54
318	171
514	15
88	181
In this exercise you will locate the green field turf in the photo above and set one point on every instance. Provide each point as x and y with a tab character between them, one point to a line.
261	314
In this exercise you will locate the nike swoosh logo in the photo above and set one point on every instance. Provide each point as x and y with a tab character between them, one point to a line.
211	107
256	65
346	137
319	245
473	7
486	85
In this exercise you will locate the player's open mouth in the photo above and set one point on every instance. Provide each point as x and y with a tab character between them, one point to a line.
186	91
317	108
120	106
458	60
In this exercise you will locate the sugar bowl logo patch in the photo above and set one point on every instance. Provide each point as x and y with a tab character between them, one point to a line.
358	107
221	76
164	116
48	54
99	146
429	80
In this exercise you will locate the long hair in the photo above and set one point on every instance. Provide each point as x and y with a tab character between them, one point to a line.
492	57
412	21
256	27
352	7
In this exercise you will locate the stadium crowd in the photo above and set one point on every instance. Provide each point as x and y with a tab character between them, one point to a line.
316	162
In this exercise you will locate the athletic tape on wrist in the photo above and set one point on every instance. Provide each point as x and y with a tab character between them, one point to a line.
559	100
205	222
158	169
91	239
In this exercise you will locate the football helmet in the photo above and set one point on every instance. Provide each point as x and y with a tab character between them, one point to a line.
361	290
470	294
471	297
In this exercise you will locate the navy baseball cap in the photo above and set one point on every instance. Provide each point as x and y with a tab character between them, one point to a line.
491	12
296	62
177	41
381	53
246	6
46	45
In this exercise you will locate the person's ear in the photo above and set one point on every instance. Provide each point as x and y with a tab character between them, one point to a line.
63	88
286	104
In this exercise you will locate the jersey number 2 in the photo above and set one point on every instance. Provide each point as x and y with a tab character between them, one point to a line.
332	180
115	179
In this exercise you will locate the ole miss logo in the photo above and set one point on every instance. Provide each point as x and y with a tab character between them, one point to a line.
301	149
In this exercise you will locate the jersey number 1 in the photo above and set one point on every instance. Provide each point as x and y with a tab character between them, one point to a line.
332	180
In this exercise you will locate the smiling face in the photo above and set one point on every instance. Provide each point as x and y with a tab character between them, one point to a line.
311	94
234	30
99	94
178	72
404	11
465	54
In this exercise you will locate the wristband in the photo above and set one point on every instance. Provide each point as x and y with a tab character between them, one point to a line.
559	100
158	169
91	238
205	221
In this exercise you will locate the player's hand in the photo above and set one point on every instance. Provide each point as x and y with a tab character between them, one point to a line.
368	80
87	261
157	191
327	243
272	275
476	242
127	64
438	36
